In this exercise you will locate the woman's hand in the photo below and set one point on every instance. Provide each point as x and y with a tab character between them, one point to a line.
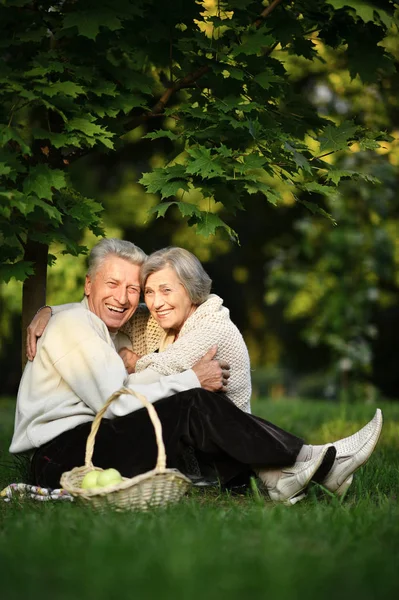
129	358
35	330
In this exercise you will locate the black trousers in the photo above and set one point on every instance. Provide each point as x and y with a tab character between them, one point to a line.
226	441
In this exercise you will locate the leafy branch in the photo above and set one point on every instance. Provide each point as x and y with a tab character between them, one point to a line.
189	80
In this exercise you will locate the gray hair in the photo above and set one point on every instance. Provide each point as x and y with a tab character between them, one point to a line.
187	267
114	247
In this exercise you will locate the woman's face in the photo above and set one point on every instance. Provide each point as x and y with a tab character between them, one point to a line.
167	299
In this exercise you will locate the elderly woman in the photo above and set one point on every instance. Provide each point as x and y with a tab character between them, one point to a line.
185	321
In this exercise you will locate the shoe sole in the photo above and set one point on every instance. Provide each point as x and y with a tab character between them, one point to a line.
344	485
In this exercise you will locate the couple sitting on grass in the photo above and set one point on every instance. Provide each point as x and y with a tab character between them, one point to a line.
185	355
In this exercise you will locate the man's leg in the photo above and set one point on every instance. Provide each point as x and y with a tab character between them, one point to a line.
225	437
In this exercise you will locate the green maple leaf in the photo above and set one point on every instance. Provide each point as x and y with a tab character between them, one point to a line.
300	161
318	188
32	35
54	108
203	164
89	22
316	209
303	47
154	181
21	202
160	209
366	57
249	162
369	144
39	69
254	128
49	209
254	187
86	126
161	133
104	88
267	78
42	179
5	211
58	140
93	131
207	224
335	175
337	138
235	73
67	88
224	151
4	169
6	194
9	133
126	102
20	271
172	187
37	72
106	141
186	209
254	42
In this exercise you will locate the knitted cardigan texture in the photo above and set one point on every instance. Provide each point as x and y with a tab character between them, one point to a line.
210	324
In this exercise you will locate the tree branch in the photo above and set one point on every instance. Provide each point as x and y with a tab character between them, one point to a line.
159	107
266	12
21	241
186	82
189	79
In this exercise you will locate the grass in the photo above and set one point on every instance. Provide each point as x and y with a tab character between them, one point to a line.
216	545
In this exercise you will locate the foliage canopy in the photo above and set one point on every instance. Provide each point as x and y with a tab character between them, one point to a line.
211	76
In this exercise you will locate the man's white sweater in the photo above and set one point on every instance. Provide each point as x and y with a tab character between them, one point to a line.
76	369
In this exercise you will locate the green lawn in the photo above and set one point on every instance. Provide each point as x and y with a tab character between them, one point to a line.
213	545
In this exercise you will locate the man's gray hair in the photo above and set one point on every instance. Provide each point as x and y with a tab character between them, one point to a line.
114	247
187	267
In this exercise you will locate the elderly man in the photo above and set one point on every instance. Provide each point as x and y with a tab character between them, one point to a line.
77	368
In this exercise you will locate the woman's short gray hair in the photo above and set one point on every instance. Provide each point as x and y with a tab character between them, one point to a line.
114	247
187	267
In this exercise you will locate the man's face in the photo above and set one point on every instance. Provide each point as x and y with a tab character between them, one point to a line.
113	293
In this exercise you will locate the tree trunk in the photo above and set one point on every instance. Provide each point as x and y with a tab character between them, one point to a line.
34	288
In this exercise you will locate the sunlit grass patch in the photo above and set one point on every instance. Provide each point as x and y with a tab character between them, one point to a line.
215	544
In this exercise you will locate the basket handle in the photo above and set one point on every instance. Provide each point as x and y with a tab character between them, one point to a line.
161	460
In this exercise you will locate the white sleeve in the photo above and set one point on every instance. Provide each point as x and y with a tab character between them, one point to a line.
57	308
93	370
168	385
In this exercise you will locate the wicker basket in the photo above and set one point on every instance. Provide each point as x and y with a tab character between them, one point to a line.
158	487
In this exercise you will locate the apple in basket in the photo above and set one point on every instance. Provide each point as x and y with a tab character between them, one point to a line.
97	479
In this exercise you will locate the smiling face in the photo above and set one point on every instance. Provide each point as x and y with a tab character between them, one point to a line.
113	293
167	299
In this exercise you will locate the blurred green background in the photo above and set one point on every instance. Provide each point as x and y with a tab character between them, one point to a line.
318	304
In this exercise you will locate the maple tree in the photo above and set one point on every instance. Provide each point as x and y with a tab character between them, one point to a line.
76	75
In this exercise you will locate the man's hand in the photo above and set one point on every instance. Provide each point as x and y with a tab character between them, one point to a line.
129	358
35	330
213	374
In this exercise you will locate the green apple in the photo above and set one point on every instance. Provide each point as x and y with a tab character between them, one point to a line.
109	477
90	480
